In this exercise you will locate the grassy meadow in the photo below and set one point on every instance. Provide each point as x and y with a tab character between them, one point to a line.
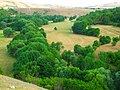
6	61
65	35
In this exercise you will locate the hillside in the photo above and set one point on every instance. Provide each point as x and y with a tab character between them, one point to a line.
56	11
20	4
12	4
108	5
47	9
7	83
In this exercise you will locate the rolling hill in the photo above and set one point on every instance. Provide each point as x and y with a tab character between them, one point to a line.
108	5
55	11
47	9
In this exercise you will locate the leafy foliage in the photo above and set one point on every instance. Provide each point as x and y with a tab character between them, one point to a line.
115	40
80	27
8	32
1	71
105	17
72	17
105	40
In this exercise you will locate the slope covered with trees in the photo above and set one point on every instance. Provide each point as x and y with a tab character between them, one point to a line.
43	64
104	17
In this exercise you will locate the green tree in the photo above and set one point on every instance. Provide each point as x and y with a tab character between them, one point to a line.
78	27
69	72
8	32
3	25
104	40
68	56
1	71
115	40
117	80
58	45
96	44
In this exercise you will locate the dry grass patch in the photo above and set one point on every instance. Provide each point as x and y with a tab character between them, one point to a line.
7	83
64	34
6	61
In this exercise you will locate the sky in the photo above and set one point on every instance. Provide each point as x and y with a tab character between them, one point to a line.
74	3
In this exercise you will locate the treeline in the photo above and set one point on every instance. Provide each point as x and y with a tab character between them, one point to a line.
10	18
81	27
55	18
72	17
104	17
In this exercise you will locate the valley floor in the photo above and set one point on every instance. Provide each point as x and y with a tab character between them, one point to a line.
65	35
6	61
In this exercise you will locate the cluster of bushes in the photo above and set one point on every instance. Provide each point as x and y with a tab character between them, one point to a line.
8	32
104	17
115	40
105	40
55	18
73	17
80	27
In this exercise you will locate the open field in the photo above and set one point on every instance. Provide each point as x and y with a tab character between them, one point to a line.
64	34
6	61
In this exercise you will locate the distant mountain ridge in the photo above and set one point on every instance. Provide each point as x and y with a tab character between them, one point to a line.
108	5
17	4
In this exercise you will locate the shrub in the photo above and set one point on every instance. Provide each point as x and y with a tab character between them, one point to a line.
104	40
78	27
1	71
8	32
96	44
115	40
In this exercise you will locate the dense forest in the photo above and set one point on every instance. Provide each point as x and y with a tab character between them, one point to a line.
104	17
43	63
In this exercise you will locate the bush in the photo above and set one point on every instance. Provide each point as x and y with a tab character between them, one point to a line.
115	40
104	40
79	50
69	72
58	45
8	32
1	71
96	44
68	56
93	32
80	27
3	25
72	17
